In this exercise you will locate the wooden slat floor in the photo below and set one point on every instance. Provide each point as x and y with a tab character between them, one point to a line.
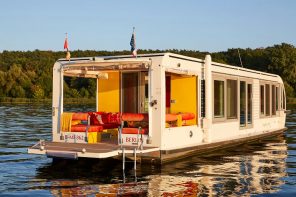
103	147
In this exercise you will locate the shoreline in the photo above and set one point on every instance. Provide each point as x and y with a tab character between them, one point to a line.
9	100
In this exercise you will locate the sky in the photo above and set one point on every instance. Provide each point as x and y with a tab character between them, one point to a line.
207	25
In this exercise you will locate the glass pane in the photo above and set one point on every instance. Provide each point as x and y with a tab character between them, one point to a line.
249	103
242	103
262	99
277	98
273	108
284	99
218	99
267	101
130	92
231	99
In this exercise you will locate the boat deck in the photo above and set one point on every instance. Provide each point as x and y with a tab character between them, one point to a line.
75	150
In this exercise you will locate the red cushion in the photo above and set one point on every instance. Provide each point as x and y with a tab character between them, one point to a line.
115	118
79	116
82	128
187	116
134	131
134	117
93	118
171	117
110	126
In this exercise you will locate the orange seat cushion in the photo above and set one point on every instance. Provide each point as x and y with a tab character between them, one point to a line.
134	131
79	116
134	117
171	117
82	128
187	116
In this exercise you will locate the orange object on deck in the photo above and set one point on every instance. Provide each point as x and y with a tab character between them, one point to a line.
80	116
187	116
134	117
171	117
82	128
134	131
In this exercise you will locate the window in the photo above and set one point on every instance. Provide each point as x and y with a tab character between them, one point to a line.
277	99
273	95
267	100
249	101
242	103
218	99
262	100
284	99
231	99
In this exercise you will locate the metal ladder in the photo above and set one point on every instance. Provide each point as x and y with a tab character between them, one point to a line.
135	149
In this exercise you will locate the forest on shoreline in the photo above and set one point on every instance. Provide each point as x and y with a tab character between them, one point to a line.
28	74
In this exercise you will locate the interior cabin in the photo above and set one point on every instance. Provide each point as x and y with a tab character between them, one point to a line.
167	103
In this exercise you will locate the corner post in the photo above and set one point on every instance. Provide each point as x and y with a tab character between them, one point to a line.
57	100
209	99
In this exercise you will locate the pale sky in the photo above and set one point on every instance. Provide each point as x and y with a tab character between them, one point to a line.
205	25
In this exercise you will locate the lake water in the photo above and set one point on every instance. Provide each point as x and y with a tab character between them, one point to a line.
264	168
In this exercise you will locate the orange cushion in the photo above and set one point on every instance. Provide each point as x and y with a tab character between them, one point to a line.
134	117
82	128
187	116
79	116
171	117
134	131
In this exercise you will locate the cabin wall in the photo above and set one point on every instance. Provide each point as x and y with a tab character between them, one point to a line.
184	95
226	129
181	137
109	93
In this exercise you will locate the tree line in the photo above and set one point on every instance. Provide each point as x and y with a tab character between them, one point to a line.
28	74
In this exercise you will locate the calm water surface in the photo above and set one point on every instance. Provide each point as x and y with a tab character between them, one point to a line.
264	168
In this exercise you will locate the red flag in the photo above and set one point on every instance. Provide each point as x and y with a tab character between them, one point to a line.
66	44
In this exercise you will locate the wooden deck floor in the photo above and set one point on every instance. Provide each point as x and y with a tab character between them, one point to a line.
75	147
103	147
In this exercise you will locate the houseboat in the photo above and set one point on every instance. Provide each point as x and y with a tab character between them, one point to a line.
160	107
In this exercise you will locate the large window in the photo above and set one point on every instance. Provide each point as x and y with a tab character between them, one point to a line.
277	102
218	99
284	98
262	104
273	94
249	101
267	100
231	99
242	103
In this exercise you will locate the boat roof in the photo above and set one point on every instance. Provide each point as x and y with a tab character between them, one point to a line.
129	62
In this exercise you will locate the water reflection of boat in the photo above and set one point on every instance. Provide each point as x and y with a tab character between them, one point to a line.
255	169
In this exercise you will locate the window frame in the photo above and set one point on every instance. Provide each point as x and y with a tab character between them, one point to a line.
224	78
278	87
237	95
260	100
247	82
218	78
